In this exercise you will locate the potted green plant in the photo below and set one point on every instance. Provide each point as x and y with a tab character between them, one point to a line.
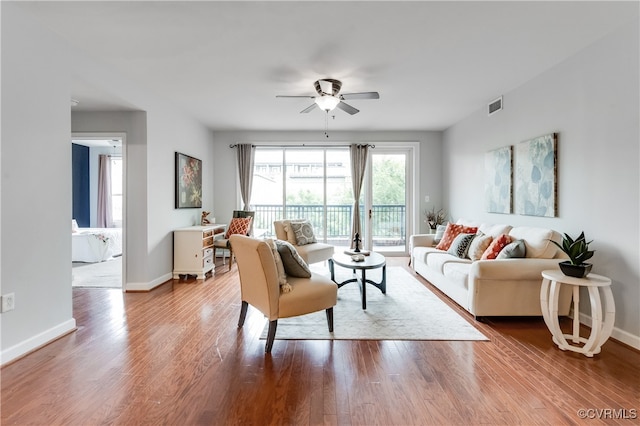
578	252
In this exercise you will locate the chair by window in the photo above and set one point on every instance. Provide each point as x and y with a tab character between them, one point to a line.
238	225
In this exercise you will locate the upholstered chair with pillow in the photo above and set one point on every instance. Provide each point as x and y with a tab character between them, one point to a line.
240	224
299	232
275	293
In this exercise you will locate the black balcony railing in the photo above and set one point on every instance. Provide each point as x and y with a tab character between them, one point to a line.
388	221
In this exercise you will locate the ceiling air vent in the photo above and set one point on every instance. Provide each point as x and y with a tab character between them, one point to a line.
495	105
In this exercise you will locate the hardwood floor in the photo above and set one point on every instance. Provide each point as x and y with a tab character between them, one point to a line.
175	356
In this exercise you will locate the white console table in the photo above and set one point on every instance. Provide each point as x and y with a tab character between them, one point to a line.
601	322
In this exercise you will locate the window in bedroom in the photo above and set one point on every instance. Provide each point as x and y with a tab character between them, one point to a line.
116	191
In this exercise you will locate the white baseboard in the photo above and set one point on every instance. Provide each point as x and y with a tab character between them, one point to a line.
620	335
37	341
150	285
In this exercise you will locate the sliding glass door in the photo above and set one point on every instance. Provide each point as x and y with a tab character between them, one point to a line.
385	200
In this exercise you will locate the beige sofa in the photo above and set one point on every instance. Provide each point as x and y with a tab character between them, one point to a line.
498	287
311	253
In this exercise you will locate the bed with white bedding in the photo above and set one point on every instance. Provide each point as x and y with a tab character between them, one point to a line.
95	244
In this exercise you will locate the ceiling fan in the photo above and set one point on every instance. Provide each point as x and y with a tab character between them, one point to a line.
329	97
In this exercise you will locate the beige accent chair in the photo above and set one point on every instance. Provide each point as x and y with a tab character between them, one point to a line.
311	253
260	287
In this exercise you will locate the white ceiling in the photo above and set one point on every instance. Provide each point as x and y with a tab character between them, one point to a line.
433	63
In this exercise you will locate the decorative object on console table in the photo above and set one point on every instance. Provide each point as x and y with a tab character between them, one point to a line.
535	177
434	218
188	182
497	180
578	252
205	220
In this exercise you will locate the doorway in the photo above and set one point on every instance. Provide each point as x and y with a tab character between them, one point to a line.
98	222
386	200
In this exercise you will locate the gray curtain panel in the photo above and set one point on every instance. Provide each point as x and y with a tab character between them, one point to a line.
245	171
358	165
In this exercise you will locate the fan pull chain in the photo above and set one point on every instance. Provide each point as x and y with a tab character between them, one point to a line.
326	124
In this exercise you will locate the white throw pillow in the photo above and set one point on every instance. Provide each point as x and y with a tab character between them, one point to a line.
478	246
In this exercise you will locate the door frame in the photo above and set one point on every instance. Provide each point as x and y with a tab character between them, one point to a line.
122	136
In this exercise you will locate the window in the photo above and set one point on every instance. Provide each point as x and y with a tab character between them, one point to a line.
116	191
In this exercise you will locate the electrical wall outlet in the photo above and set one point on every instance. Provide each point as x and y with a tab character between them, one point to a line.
8	302
426	198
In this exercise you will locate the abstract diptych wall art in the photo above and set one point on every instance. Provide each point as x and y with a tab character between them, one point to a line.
497	180
534	182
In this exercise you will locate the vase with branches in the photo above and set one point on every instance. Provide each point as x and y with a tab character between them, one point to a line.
435	217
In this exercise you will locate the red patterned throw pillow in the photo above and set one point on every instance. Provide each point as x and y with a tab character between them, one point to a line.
238	225
452	231
495	247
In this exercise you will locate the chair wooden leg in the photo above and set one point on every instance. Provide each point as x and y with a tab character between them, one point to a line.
330	319
271	335
230	257
243	313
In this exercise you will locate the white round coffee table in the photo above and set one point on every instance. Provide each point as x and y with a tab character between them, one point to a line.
601	323
372	261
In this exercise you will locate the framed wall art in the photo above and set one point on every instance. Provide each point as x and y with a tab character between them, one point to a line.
498	176
536	176
188	182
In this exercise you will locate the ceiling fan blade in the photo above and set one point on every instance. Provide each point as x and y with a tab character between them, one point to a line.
295	96
348	108
361	95
309	108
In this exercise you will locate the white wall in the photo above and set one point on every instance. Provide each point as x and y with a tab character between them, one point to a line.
226	174
35	187
592	101
37	70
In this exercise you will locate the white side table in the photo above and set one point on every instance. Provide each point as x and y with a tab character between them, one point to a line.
601	324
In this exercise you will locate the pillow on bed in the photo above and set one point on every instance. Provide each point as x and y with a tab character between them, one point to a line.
74	226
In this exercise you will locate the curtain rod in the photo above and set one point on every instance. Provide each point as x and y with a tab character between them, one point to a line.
304	146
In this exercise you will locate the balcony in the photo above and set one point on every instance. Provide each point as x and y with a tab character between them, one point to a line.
388	223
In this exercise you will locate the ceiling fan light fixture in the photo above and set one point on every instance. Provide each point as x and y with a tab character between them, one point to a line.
327	102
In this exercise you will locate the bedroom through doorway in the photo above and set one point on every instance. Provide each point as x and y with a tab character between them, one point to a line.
98	199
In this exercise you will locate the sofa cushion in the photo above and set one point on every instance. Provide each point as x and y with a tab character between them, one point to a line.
494	230
293	264
495	247
536	241
460	245
438	259
303	232
512	250
478	246
452	231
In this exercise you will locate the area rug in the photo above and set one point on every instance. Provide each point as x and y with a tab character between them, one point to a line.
100	274
409	311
